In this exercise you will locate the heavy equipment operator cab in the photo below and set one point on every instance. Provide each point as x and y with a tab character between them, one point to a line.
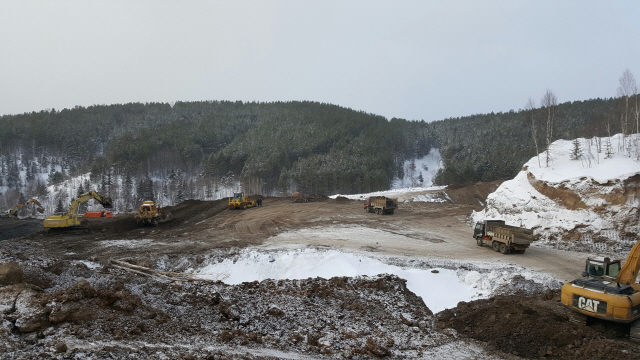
237	196
601	267
478	231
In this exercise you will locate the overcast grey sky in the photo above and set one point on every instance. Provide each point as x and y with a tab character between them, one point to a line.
410	59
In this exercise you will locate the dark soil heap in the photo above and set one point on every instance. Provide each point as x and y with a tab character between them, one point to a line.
114	312
537	327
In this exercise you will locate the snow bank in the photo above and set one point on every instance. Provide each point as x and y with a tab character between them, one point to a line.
580	199
425	194
439	290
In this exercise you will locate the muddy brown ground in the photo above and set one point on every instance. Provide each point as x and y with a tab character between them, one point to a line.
506	326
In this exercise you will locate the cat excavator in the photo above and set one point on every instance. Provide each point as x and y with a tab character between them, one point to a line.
608	291
14	212
69	220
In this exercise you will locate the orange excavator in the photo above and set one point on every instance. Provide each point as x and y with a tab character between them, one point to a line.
608	291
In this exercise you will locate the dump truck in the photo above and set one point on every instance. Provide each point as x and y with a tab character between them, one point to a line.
149	214
69	220
502	237
98	214
607	291
380	205
240	201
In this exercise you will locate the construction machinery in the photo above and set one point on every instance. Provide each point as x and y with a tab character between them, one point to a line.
69	220
149	214
381	205
241	201
14	212
502	237
608	291
98	214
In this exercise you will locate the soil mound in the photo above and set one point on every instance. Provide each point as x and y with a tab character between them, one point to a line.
312	198
532	327
473	194
112	312
186	212
15	228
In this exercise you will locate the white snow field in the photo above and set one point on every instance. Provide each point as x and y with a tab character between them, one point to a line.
439	290
591	181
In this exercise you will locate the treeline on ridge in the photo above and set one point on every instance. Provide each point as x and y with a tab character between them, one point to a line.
282	146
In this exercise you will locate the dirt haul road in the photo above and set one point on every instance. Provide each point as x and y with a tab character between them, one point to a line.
417	229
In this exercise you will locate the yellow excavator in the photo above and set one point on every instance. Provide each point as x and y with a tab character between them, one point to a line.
14	212
69	220
608	291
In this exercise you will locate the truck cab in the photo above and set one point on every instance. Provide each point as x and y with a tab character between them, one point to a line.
478	231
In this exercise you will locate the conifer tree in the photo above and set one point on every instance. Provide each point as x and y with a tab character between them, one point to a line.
576	151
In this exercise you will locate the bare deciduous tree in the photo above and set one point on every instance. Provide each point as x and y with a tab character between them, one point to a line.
549	102
626	90
530	109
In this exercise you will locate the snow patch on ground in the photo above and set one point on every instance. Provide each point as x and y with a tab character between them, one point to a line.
125	243
441	284
424	194
439	290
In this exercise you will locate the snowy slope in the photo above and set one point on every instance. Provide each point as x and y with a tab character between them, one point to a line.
428	166
592	199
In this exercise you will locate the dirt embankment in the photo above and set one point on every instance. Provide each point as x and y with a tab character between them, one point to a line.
115	312
13	228
473	194
537	327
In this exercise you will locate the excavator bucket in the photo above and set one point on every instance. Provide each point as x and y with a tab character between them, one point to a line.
40	210
106	202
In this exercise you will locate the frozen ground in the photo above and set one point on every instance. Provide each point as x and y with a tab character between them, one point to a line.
439	288
441	284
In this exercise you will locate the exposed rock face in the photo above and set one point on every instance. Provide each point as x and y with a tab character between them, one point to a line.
10	273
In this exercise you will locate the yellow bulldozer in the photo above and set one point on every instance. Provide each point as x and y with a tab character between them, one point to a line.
149	214
13	213
69	220
608	291
240	201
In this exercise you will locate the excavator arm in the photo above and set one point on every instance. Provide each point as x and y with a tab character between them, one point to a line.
70	219
104	201
14	212
629	272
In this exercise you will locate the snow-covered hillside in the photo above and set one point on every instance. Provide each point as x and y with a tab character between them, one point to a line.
592	199
427	166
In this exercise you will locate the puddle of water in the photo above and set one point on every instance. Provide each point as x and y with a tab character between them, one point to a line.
439	291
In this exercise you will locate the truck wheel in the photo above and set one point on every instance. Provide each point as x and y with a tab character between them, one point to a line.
479	242
504	249
495	246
